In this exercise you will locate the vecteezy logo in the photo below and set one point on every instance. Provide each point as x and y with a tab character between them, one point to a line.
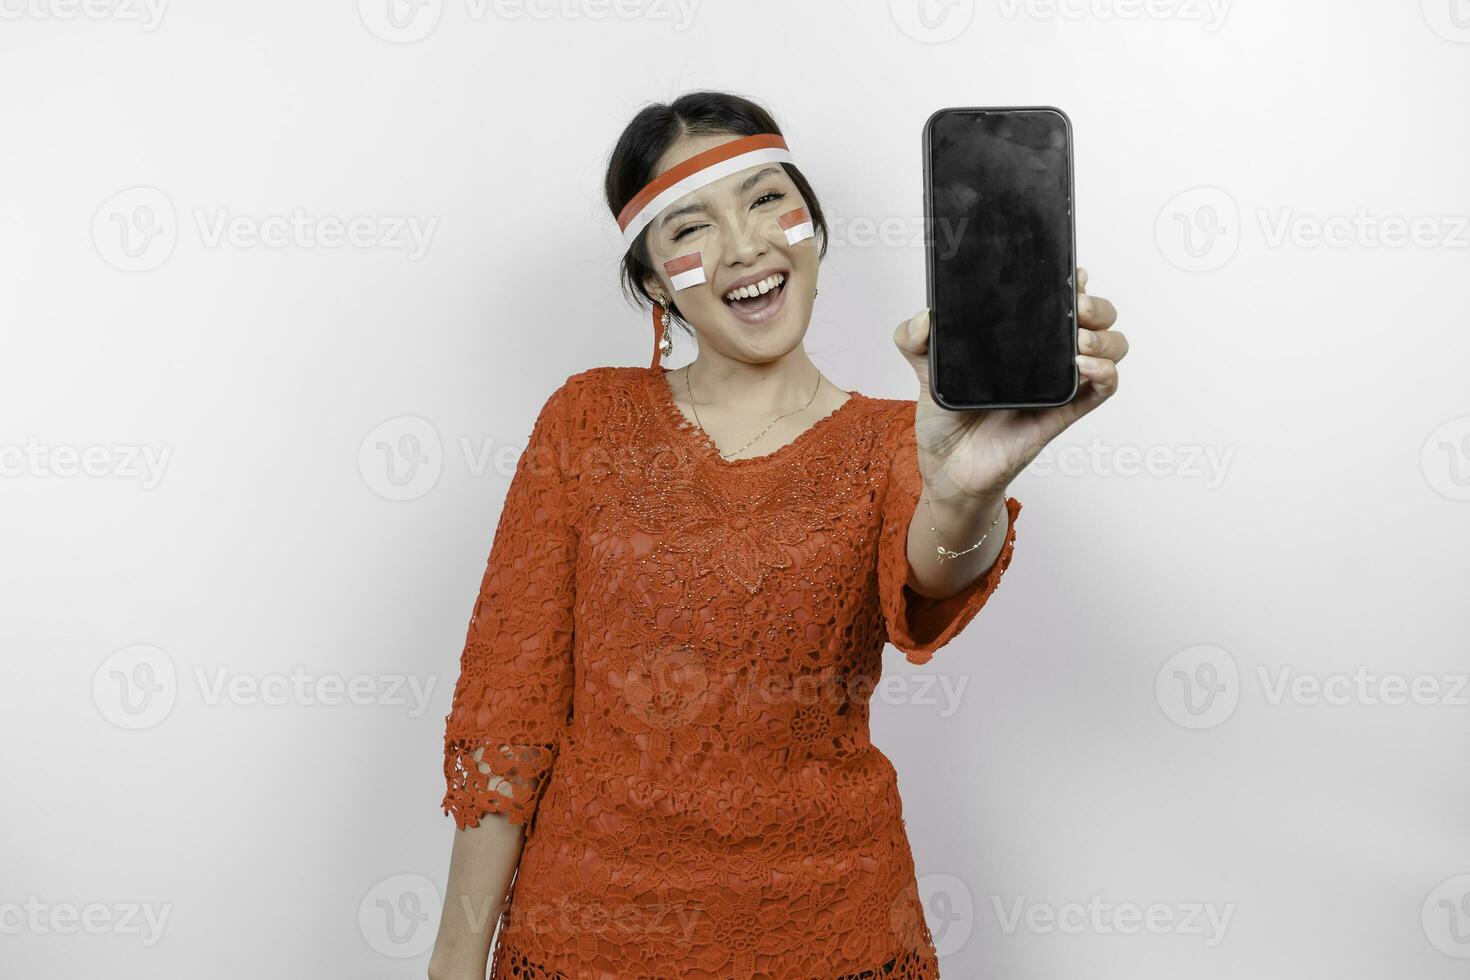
1446	917
1198	687
136	687
402	458
135	230
1450	19
1445	459
396	916
932	21
949	909
668	689
401	21
1199	230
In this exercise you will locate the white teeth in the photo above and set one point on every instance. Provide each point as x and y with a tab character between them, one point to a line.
755	289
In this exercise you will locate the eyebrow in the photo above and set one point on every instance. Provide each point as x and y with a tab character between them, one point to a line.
745	185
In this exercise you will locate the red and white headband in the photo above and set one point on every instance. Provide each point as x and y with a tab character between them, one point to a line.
692	174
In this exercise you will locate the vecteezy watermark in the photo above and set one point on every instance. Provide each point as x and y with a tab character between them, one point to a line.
136	230
1445	459
397	915
949	909
1208	920
1200	687
407	21
147	14
298	687
138	686
402	458
932	21
401	21
1450	19
1363	229
1446	917
409	233
672	687
37	917
119	461
616	921
1363	686
679	14
938	691
896	231
1210	13
1198	230
1208	464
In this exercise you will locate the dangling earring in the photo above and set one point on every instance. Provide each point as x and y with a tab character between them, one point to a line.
663	340
666	344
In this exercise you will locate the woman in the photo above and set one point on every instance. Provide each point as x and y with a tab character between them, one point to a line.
684	610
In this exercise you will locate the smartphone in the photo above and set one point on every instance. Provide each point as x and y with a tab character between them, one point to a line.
1000	256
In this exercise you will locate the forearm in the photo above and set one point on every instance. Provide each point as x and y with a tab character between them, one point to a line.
481	866
960	521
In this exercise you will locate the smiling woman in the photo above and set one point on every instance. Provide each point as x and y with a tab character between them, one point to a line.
665	686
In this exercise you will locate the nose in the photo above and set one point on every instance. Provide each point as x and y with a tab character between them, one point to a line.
748	240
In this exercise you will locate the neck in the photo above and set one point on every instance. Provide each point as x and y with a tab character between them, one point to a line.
744	388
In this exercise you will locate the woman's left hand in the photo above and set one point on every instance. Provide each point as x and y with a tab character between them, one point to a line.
979	453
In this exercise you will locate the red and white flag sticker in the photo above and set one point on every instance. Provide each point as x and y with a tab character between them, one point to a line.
686	270
797	224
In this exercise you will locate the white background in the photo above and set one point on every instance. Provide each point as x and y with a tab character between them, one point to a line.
1074	754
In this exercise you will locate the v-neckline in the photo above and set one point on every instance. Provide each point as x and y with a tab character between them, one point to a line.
662	394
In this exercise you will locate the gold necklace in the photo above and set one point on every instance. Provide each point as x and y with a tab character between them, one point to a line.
763	431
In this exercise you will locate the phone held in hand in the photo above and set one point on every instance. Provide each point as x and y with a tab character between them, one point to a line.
1000	255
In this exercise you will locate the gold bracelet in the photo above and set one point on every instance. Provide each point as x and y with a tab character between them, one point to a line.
942	552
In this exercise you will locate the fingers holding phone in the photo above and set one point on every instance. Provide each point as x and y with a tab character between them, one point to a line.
1099	347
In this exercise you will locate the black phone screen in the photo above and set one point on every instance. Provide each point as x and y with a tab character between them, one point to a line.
1001	260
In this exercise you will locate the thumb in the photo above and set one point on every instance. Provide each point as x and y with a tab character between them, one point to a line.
912	339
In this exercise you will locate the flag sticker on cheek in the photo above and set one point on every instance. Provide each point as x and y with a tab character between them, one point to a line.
797	224
686	270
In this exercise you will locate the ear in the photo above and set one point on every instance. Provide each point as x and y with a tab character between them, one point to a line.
654	287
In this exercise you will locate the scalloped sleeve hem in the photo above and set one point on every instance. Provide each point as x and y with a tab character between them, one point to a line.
916	624
485	776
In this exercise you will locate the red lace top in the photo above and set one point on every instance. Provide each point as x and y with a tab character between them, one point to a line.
667	677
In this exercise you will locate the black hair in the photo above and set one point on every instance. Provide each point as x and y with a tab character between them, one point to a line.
644	141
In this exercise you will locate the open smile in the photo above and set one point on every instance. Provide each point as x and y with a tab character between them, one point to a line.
759	301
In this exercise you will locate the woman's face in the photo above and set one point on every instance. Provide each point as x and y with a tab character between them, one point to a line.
732	223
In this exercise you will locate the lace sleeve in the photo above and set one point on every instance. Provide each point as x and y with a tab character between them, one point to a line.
513	697
916	624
